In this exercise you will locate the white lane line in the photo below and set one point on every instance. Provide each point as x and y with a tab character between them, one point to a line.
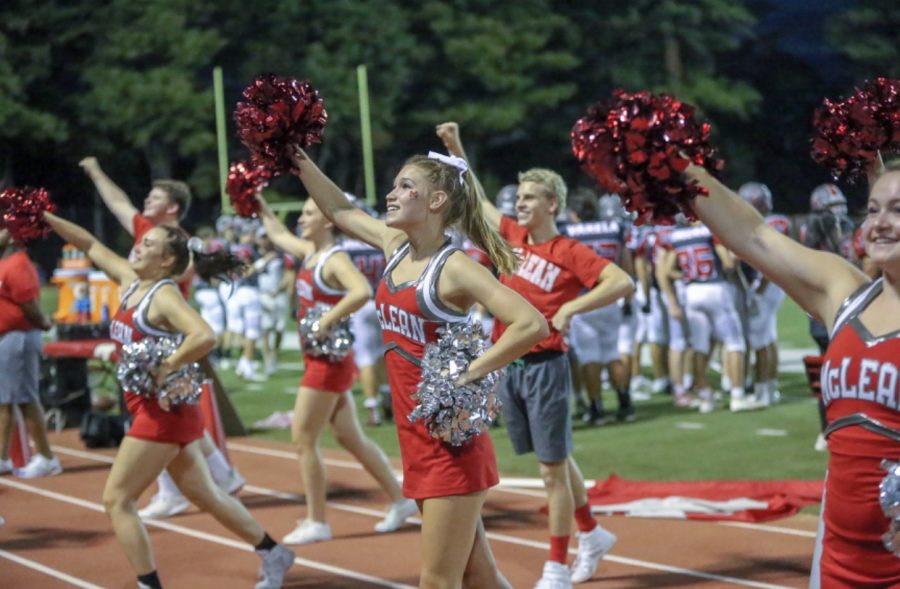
320	566
644	564
690	425
775	433
543	546
765	528
48	571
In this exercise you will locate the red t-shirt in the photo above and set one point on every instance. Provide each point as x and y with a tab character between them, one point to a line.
19	284
141	225
550	274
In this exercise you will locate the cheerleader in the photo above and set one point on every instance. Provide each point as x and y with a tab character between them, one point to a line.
429	283
860	383
325	274
163	436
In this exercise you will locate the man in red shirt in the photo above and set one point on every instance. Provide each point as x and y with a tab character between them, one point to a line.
554	271
166	204
21	322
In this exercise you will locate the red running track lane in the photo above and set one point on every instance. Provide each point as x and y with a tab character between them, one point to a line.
56	526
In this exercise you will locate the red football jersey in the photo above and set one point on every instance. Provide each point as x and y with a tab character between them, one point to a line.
550	274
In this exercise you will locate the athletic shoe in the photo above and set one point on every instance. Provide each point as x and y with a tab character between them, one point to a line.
748	403
39	466
592	547
555	576
166	505
821	443
233	483
396	515
683	400
307	532
6	466
640	395
373	404
271	366
625	414
275	563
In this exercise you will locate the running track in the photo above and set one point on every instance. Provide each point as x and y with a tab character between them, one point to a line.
56	535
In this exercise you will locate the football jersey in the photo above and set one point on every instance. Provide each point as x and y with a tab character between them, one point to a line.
606	237
697	257
367	259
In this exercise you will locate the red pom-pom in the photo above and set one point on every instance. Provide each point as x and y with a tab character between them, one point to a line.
22	212
244	183
279	111
849	133
632	145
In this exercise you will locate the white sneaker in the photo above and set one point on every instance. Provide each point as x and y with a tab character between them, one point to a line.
6	466
233	483
748	403
275	563
307	532
592	547
39	466
164	505
555	576
271	366
821	443
396	515
640	395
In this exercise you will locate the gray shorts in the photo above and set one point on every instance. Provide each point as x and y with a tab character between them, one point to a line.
20	364
536	395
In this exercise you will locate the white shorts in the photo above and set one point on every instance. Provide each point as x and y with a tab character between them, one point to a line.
627	329
652	327
274	311
763	325
211	309
678	329
594	336
711	313
243	312
368	346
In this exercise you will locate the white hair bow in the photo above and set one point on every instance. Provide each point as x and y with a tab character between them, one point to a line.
451	160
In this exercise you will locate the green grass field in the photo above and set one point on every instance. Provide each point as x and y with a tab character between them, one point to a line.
655	447
664	443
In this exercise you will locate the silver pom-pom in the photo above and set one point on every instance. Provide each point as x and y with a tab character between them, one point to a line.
454	414
139	360
889	497
336	343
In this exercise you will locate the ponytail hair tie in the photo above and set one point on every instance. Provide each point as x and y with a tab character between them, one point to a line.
195	244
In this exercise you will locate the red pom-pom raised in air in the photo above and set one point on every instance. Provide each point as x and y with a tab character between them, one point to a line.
22	212
848	134
636	145
244	183
278	112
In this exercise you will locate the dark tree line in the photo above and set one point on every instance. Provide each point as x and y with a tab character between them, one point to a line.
132	82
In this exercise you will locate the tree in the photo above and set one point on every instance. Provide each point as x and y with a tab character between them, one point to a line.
869	35
28	114
148	84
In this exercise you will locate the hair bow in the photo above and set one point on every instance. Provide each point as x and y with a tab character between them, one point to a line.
451	160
